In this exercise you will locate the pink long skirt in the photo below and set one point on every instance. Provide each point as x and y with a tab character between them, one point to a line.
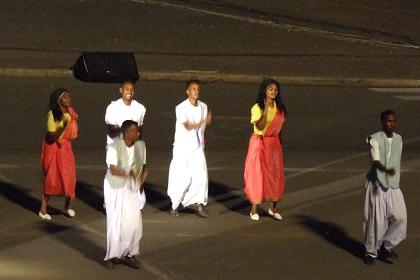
264	170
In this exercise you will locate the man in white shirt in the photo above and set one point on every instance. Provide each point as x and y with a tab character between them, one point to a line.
188	178
125	108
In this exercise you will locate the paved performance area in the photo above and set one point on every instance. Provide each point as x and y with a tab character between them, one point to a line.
326	160
352	46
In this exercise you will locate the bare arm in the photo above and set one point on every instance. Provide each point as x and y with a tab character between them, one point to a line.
190	126
54	136
119	172
113	130
378	165
261	122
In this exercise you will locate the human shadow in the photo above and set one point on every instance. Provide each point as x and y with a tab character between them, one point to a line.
91	195
21	197
334	234
76	238
228	197
157	197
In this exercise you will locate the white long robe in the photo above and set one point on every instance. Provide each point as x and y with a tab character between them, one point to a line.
188	177
123	215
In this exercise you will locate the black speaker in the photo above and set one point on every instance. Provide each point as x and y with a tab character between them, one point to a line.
106	67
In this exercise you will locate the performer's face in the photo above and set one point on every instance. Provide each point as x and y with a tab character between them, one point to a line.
127	90
65	100
389	124
193	91
132	135
272	91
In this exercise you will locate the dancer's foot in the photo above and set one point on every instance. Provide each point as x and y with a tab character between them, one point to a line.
201	211
132	262
70	212
45	216
275	214
174	213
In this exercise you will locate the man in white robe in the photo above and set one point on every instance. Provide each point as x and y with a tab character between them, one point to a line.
126	160
385	214
188	178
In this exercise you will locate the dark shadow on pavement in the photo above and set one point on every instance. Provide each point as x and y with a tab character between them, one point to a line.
91	195
229	198
26	233
157	197
334	234
21	197
78	239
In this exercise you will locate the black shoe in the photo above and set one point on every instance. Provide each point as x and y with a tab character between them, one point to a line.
132	262
369	260
109	264
201	211
388	256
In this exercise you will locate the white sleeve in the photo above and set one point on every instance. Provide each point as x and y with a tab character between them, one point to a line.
109	115
111	156
145	152
374	149
143	113
181	116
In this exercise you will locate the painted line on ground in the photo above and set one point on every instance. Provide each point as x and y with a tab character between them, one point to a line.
396	90
408	97
351	37
228	78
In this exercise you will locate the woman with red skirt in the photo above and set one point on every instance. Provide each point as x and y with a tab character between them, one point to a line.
264	168
57	158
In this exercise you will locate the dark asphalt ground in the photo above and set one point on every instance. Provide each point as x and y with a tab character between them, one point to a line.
325	155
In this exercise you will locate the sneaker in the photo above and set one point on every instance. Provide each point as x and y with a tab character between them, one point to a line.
44	216
276	215
369	260
387	255
254	217
70	212
174	213
132	262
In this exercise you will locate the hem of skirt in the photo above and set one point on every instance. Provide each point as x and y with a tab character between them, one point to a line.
265	200
59	194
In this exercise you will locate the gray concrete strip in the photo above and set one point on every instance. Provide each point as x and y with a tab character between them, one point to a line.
213	76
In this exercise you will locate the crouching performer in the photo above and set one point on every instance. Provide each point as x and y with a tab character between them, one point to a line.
126	160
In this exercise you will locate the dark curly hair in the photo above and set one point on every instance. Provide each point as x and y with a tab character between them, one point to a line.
54	105
262	94
386	113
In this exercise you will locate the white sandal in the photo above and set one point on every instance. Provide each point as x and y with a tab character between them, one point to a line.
276	215
45	216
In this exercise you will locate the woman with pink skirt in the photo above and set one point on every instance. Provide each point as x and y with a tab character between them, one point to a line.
264	168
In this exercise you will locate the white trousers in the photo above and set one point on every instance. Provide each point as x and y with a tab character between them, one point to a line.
123	220
188	178
385	218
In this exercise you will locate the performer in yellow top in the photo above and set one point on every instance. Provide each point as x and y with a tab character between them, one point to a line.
57	156
264	171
